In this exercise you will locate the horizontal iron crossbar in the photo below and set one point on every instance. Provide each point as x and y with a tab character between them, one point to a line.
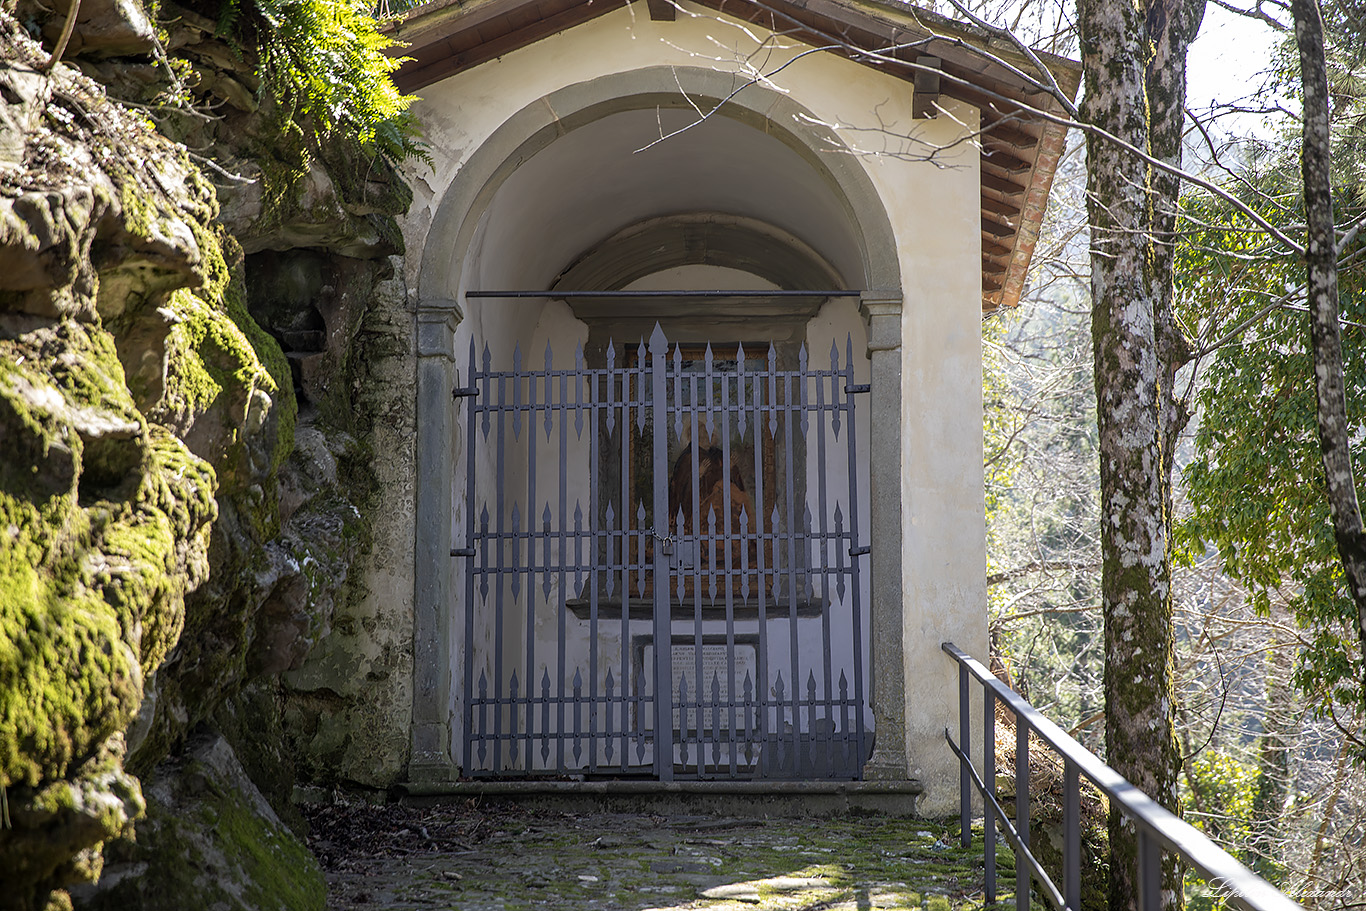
628	295
1158	828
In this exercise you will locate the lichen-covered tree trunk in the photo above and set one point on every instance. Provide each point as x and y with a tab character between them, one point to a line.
1171	27
1324	332
1133	56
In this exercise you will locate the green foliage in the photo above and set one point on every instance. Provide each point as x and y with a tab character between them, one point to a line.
1345	48
325	70
1219	800
1226	788
1256	482
999	422
1042	490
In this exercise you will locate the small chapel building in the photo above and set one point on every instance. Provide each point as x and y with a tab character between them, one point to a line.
698	290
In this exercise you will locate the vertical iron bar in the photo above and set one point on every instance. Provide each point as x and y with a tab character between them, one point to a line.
545	701
498	585
531	538
564	559
683	722
1022	872
595	437
774	522
515	569
664	753
471	494
789	441
743	736
763	541
678	577
730	577
713	695
989	779
964	778
578	714
801	544
618	546
694	531
1071	851
823	548
716	720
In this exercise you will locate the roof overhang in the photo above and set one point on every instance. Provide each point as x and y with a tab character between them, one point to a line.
1020	148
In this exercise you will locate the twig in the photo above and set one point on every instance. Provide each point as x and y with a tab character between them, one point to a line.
1035	566
67	29
215	166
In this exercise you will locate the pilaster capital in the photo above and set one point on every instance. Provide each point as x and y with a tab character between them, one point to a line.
436	322
881	311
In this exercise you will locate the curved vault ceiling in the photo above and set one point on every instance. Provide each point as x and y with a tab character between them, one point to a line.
591	183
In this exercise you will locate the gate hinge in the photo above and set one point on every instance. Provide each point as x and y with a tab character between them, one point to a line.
855	388
463	552
464	392
859	551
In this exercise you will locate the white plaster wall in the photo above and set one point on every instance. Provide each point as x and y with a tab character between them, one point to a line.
934	209
869	111
944	541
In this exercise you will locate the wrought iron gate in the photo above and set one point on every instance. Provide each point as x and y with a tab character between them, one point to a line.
707	499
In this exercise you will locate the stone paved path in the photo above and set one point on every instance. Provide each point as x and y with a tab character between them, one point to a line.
500	859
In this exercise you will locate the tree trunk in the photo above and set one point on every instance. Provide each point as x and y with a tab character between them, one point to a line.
1324	333
1170	29
1130	52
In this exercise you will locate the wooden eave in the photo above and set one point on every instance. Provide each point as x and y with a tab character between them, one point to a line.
1019	148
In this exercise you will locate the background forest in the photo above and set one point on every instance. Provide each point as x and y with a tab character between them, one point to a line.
1268	714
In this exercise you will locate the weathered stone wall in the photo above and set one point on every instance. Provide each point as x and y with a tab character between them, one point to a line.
348	706
198	407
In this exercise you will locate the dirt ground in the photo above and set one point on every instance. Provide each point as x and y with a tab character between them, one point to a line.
503	858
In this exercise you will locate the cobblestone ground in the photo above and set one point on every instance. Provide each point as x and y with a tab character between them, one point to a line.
503	859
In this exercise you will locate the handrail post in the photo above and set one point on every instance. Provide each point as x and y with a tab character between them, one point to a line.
1149	871
964	778
1022	873
1071	851
989	779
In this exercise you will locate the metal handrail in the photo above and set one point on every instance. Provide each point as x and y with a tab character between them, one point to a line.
1159	830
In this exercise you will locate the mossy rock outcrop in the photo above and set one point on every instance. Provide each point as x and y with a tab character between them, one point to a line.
135	403
210	837
105	515
167	551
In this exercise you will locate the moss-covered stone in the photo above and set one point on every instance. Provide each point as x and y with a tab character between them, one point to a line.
94	569
93	587
499	856
208	833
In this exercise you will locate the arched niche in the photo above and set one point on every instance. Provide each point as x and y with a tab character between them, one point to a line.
838	237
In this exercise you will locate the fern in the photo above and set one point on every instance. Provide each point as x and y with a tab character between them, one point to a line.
327	58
